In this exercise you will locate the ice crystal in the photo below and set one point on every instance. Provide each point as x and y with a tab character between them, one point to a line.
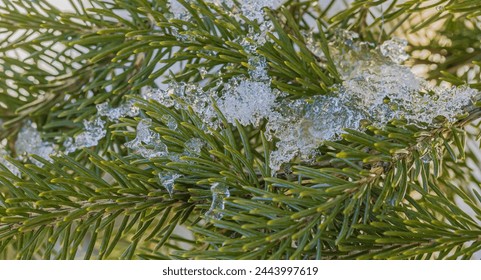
93	132
158	95
147	143
219	193
175	157
167	179
194	146
3	153
301	126
394	49
258	68
178	10
247	102
125	109
69	145
29	142
199	100
169	121
180	95
374	88
381	90
448	102
182	35
313	45
350	39
255	39
253	9
349	53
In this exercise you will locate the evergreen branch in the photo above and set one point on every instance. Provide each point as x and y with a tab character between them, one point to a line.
384	192
63	195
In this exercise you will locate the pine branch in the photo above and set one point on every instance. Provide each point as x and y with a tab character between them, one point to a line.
380	192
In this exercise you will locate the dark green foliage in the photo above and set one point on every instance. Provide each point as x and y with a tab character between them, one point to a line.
370	195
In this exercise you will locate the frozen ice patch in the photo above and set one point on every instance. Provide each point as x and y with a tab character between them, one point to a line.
247	101
167	180
29	142
395	50
219	193
147	143
113	114
93	132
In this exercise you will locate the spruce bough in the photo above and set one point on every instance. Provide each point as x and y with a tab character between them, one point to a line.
174	129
